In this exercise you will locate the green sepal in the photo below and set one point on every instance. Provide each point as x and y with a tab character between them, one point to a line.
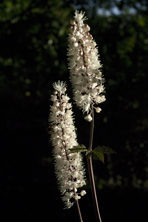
79	148
98	155
104	149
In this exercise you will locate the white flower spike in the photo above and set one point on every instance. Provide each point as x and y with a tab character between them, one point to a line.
68	166
84	65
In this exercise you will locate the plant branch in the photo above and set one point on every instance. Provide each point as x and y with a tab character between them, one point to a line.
90	171
79	212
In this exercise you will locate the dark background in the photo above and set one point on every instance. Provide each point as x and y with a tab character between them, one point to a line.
33	47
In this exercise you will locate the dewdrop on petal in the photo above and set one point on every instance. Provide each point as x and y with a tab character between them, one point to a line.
84	65
69	168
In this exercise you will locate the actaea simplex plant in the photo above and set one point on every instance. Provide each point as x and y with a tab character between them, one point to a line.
87	83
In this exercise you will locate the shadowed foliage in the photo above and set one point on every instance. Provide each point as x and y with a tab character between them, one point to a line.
33	47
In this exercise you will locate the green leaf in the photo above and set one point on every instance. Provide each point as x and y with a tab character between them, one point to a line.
79	148
104	149
89	153
98	156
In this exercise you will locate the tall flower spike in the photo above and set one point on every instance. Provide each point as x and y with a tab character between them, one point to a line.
68	166
84	65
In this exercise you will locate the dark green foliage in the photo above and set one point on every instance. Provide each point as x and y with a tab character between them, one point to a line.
103	149
79	148
98	156
33	47
99	151
123	47
33	52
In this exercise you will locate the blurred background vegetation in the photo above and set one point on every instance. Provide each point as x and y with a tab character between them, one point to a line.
33	47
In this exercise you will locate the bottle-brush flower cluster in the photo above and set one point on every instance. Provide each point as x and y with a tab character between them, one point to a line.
68	166
84	65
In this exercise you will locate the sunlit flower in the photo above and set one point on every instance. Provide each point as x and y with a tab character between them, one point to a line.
68	166
84	65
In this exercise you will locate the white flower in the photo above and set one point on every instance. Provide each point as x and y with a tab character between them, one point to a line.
59	86
100	99
83	192
88	118
84	65
77	197
98	110
79	16
68	166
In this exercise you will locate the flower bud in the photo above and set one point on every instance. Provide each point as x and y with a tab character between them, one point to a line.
88	118
72	22
83	192
77	197
86	28
98	110
76	44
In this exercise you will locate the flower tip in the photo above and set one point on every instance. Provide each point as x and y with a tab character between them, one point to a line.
60	86
79	16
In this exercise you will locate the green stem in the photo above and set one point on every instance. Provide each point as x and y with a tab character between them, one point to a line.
90	171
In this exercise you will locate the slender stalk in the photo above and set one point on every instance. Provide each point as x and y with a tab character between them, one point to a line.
78	208
90	171
79	212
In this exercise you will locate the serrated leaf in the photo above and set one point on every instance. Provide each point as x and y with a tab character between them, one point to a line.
104	149
79	148
98	156
89	153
